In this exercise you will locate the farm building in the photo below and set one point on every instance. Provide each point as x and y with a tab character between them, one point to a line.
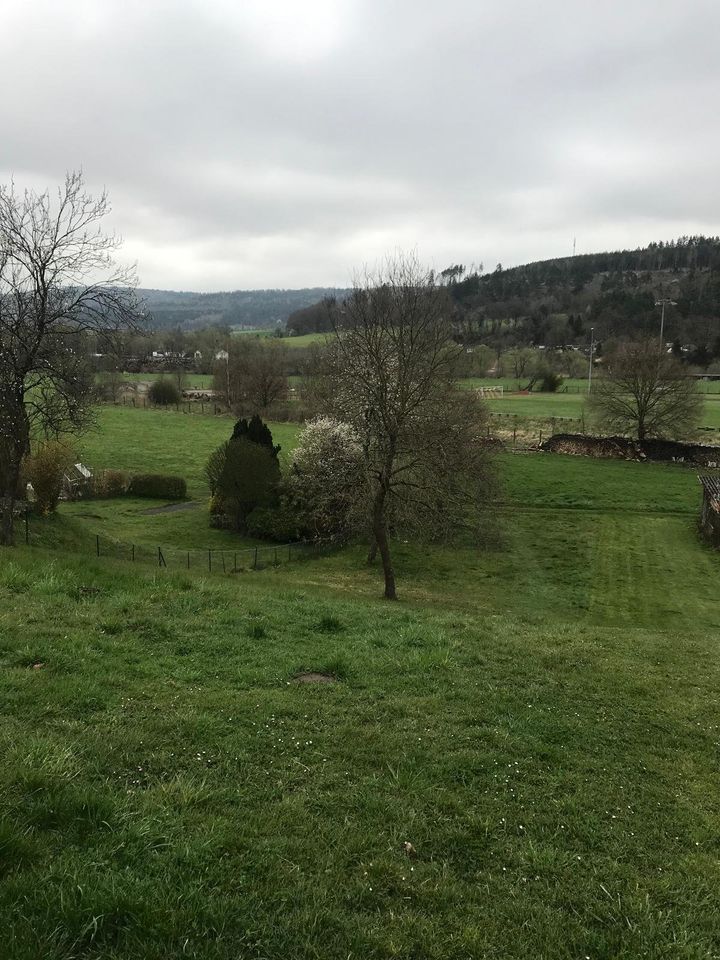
710	510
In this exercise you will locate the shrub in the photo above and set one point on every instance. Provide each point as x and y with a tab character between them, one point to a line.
45	470
279	524
157	485
550	382
256	431
326	481
163	392
214	468
249	479
111	483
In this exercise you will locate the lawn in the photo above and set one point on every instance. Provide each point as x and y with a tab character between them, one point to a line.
154	440
537	718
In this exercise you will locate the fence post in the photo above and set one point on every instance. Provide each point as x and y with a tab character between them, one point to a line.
255	560
289	549
97	544
223	560
133	553
210	561
27	528
188	559
276	559
235	562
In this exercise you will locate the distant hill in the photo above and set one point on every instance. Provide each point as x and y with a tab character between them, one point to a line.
555	303
263	309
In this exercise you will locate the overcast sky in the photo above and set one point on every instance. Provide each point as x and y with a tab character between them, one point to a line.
284	144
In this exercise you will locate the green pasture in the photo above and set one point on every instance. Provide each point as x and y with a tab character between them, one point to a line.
304	340
156	440
545	406
537	716
201	381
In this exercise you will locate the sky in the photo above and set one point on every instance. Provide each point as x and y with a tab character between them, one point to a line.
249	144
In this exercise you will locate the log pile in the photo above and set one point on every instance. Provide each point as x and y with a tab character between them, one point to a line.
622	448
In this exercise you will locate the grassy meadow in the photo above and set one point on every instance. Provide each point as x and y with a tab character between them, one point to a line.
540	409
538	718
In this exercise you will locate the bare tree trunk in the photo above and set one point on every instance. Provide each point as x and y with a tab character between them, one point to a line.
7	527
372	552
381	542
10	489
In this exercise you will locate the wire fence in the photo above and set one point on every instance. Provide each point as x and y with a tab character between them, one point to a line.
286	412
527	432
206	559
210	560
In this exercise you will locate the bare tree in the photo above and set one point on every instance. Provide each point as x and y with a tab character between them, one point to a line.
391	364
646	392
58	282
254	377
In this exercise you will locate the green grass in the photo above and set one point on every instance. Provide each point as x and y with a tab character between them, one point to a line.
538	718
304	340
539	409
202	381
162	441
167	790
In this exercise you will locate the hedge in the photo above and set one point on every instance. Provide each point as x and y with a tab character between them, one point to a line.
160	486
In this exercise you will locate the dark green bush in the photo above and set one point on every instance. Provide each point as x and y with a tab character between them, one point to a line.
163	393
550	382
157	485
274	523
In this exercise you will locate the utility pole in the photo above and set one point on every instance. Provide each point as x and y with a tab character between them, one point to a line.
227	374
592	351
662	303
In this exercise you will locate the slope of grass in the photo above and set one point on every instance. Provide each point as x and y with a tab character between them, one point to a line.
167	790
538	718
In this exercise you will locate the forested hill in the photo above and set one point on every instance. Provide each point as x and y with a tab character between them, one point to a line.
555	303
252	308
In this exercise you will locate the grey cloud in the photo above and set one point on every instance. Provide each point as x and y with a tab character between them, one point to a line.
262	144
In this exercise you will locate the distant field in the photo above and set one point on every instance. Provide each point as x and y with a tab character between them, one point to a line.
293	342
544	406
569	384
305	340
201	381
